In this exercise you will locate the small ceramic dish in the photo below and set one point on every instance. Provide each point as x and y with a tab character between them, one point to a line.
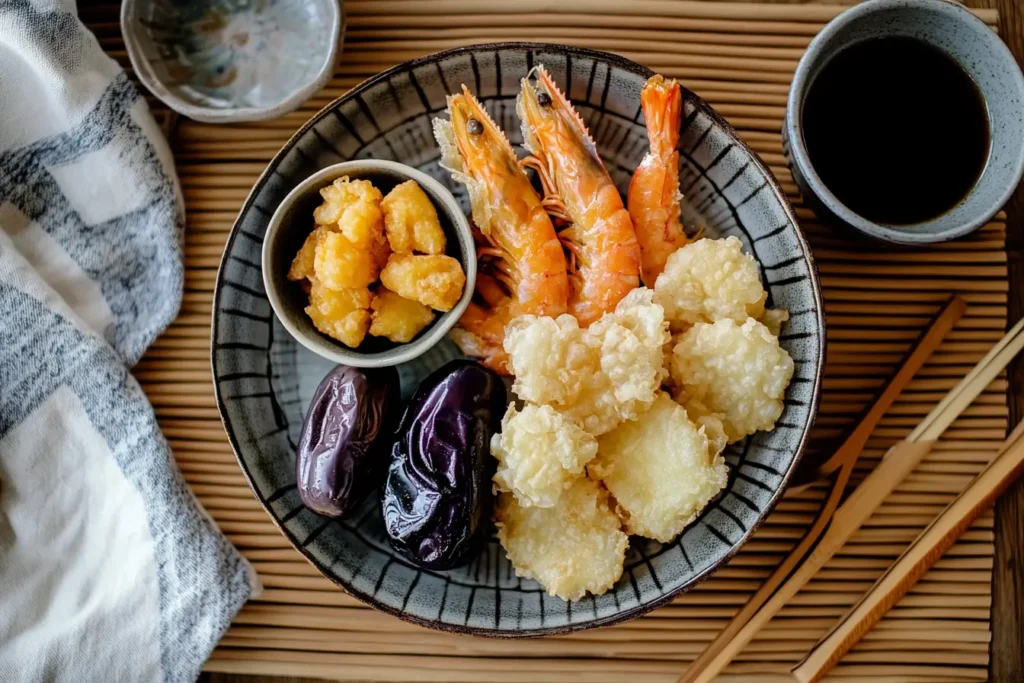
264	381
223	61
292	223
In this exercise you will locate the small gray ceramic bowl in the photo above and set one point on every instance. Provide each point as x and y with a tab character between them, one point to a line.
223	61
292	223
978	50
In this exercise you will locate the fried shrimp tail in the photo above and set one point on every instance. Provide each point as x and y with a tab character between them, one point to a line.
654	190
522	263
604	258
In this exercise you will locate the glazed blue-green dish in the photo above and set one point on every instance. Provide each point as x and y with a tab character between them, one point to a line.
233	60
264	379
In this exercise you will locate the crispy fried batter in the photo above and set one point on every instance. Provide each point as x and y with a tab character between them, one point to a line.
737	371
411	222
340	263
540	453
434	280
710	280
600	376
397	318
661	470
571	548
302	264
340	313
352	207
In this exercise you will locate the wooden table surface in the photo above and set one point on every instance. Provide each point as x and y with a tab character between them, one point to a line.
1007	646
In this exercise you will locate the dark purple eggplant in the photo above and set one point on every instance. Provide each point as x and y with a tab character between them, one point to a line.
437	496
343	449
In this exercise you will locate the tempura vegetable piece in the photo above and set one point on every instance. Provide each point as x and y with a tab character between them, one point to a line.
540	453
600	376
340	263
411	222
737	371
340	313
434	280
572	548
710	280
352	207
660	469
397	318
551	360
302	264
645	322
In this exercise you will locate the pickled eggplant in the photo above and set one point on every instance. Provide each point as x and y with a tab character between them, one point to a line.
342	454
437	495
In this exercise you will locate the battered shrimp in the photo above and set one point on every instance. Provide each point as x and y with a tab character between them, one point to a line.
518	241
604	261
654	191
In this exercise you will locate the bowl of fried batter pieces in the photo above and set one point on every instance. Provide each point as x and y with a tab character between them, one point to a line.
368	263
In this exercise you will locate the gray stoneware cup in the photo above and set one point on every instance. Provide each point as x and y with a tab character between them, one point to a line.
979	51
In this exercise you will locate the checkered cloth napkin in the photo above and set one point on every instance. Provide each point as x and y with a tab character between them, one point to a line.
109	568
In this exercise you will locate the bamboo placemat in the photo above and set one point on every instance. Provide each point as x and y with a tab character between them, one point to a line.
740	58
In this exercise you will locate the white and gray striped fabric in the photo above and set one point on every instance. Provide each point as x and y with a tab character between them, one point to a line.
109	568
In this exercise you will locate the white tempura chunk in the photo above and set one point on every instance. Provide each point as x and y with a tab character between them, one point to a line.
571	548
599	376
738	372
660	469
710	280
540	453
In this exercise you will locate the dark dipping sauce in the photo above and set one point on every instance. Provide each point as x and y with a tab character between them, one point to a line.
896	129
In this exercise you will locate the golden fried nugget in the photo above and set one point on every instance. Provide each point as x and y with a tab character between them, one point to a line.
660	469
571	548
411	222
340	313
341	264
397	318
380	252
434	280
302	264
352	207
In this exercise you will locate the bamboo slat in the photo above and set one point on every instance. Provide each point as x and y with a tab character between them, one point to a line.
740	58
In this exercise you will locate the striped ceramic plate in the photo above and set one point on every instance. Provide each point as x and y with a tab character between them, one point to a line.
264	380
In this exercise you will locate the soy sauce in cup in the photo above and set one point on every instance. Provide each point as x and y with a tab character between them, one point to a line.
896	129
903	122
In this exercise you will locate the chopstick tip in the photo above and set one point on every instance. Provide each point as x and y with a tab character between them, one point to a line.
957	303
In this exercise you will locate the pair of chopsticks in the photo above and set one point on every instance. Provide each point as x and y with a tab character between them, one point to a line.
836	524
928	547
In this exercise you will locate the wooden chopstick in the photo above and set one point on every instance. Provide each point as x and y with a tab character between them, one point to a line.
964	393
952	312
865	499
935	540
719	652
